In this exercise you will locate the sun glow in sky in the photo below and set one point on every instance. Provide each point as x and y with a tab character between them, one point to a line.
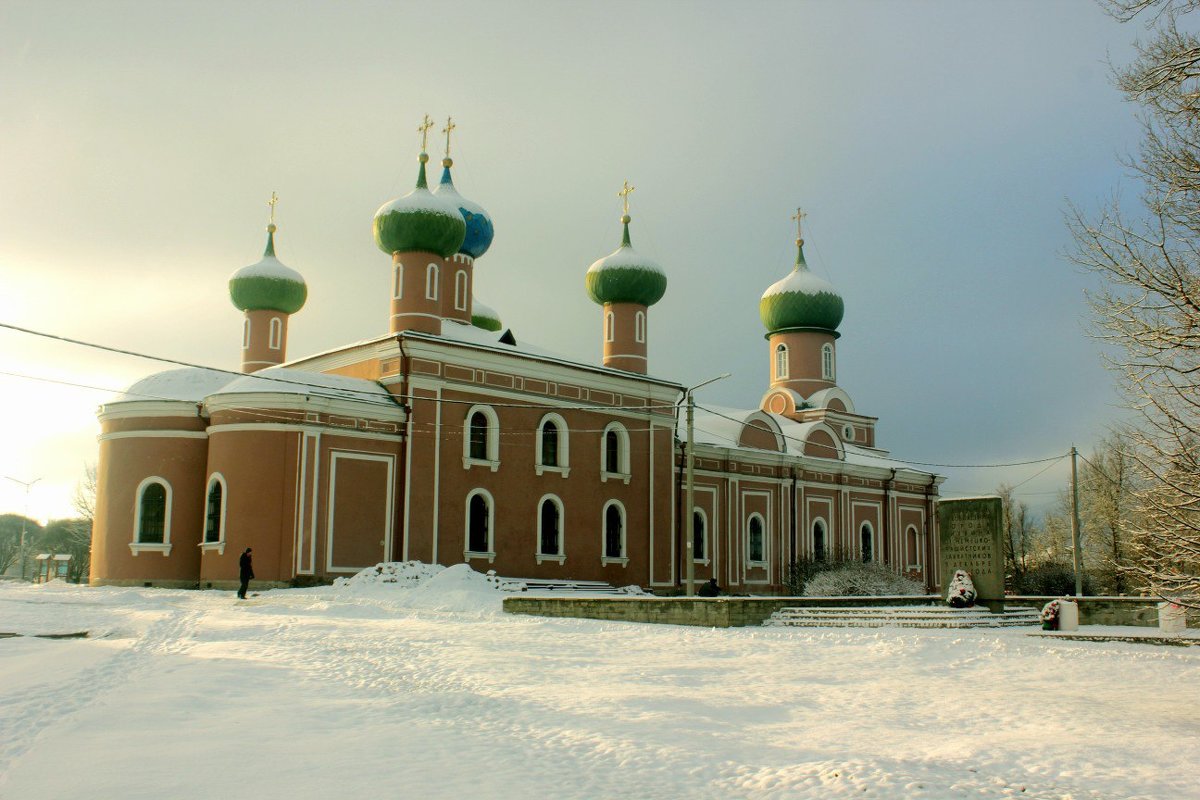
934	146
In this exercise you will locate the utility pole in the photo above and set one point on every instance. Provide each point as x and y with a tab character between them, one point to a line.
1078	557
28	485
689	513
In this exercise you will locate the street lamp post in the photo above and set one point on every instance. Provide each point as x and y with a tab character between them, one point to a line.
689	512
28	485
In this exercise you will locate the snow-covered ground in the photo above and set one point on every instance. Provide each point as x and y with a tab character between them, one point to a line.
424	689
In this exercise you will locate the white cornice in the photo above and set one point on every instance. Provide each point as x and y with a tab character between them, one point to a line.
148	408
152	434
284	401
284	427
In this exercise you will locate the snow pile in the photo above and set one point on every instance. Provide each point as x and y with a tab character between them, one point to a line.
961	592
633	589
860	580
460	588
397	574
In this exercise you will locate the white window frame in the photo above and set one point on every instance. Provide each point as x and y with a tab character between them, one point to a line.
827	365
460	290
398	282
431	282
493	439
624	473
874	549
916	554
564	446
639	327
622	559
163	547
490	553
781	362
561	556
275	334
246	334
610	327
763	528
812	537
219	544
704	537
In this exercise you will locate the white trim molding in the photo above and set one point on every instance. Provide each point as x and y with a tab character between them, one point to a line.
164	546
491	444
605	558
623	472
561	555
490	552
562	451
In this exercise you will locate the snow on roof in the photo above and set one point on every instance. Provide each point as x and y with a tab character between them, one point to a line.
420	200
800	281
283	380
625	257
270	267
188	384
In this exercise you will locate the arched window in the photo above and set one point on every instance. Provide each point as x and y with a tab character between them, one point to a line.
818	544
276	333
699	535
639	327
827	361
246	334
550	529
552	445
481	437
868	543
214	511
610	327
756	540
913	539
460	290
614	532
398	281
152	517
480	518
614	452
781	361
431	282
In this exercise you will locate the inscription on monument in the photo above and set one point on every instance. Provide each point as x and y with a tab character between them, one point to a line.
971	538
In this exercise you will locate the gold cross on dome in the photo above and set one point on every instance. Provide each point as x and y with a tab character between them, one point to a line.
799	217
423	129
624	195
446	130
272	202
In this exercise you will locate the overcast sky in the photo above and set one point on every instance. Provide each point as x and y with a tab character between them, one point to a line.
934	146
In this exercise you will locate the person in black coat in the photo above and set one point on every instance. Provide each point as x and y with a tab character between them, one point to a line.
245	572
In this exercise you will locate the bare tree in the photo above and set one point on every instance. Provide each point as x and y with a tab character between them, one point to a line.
1020	533
1149	309
79	543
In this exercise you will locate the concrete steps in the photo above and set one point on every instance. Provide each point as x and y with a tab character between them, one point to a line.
563	588
901	617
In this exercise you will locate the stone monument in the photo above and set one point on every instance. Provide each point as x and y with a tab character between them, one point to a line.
971	535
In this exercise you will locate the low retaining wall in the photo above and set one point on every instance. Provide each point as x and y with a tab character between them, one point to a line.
708	612
735	612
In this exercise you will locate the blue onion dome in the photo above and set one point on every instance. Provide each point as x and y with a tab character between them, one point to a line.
484	316
626	276
801	300
419	221
268	285
479	225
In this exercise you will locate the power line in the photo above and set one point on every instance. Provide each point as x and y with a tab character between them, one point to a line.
370	395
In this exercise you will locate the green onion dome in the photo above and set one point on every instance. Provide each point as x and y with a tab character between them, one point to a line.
625	276
268	285
484	316
801	300
480	231
419	221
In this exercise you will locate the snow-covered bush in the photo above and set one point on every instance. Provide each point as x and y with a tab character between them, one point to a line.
860	580
961	591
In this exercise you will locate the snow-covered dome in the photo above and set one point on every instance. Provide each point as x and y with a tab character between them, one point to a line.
484	316
480	230
288	380
269	284
801	300
188	384
420	221
626	276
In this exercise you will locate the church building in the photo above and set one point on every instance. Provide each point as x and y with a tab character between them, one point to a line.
449	439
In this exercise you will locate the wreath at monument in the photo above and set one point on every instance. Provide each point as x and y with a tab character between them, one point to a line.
961	592
1050	614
